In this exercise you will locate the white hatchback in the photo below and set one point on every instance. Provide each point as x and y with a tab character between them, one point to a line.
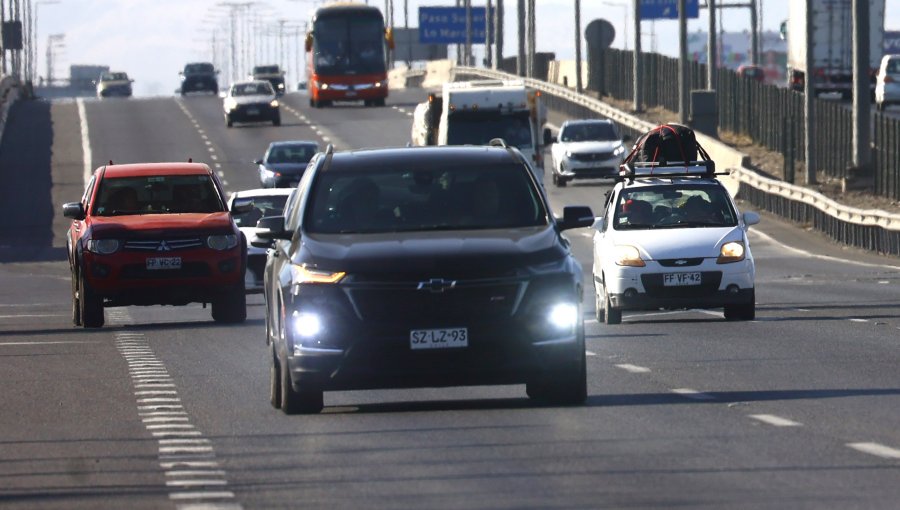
673	243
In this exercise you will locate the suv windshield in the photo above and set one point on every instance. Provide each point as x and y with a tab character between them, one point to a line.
599	131
199	69
676	206
283	153
423	198
157	194
265	70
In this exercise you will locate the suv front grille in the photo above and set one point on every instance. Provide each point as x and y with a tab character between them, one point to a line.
594	156
162	245
464	301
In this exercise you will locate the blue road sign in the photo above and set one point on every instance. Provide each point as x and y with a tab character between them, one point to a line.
667	9
447	25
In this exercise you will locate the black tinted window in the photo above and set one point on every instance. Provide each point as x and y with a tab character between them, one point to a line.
423	198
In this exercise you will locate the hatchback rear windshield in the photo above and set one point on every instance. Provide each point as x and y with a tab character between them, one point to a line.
424	198
158	194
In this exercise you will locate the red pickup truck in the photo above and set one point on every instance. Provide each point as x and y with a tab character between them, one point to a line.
154	234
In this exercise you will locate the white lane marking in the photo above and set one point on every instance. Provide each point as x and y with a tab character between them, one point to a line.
692	394
189	464
210	149
167	426
176	433
164	419
822	257
802	310
185	449
590	353
858	320
85	141
34	315
203	136
777	421
154	385
326	139
213	157
207	142
170	442
224	182
49	342
196	472
220	173
634	369
155	392
194	483
218	165
201	495
883	282
879	450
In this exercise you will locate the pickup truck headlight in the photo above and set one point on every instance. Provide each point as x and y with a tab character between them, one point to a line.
274	103
103	246
222	242
731	252
619	150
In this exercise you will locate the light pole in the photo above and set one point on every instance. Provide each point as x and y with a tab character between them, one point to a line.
54	40
34	30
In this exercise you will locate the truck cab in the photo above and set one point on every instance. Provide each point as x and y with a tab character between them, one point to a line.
272	74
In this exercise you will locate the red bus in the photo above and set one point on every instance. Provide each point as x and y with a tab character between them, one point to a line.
347	55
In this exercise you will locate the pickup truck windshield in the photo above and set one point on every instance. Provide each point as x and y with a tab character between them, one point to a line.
162	194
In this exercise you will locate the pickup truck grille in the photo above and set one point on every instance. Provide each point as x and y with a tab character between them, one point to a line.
162	245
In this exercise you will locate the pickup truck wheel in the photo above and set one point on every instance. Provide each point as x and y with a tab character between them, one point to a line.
76	307
90	306
228	121
305	401
232	307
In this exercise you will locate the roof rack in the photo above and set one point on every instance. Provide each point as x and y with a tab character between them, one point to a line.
649	170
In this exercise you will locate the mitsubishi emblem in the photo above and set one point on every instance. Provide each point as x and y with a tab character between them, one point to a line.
163	246
436	285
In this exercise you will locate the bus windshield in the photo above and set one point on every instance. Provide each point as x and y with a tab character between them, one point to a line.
349	45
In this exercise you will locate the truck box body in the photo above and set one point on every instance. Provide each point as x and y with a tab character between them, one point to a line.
833	43
476	112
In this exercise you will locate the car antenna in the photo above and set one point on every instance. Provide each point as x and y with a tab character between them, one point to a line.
110	163
190	160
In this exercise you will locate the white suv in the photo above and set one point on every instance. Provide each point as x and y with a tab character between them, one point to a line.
673	241
585	149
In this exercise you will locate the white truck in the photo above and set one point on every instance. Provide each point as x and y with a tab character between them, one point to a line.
476	112
833	44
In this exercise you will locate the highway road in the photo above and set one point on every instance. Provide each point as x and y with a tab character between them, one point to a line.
163	408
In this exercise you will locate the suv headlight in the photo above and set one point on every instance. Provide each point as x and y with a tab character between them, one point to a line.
103	246
303	274
731	252
627	255
563	316
222	242
274	103
619	150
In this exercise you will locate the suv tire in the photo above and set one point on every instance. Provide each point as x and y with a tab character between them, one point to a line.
76	306
274	379
567	387
305	401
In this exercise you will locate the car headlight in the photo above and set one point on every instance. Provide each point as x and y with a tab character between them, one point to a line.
281	85
274	103
103	246
731	252
563	316
230	104
306	324
323	86
303	274
627	255
619	150
568	154
222	242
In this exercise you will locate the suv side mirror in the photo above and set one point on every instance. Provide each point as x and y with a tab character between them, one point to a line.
74	210
272	227
548	137
257	161
576	216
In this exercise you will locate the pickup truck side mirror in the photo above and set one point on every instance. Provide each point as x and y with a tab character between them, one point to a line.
74	210
548	137
576	216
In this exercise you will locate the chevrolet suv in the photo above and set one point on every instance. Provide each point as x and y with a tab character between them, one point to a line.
424	266
154	234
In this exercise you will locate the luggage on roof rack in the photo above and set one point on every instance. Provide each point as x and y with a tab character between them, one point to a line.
668	150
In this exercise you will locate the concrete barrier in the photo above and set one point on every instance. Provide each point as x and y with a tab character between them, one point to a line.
437	73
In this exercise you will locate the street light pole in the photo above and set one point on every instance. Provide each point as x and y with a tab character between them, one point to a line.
578	85
35	37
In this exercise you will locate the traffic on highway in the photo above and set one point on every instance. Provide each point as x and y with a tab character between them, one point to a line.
251	295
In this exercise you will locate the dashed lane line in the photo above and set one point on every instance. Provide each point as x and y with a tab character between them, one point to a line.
634	369
188	459
776	421
876	449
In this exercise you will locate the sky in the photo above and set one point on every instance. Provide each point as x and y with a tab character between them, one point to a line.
151	40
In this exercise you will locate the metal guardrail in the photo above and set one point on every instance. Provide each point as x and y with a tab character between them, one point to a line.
871	229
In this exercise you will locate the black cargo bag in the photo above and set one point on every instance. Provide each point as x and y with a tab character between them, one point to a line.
666	144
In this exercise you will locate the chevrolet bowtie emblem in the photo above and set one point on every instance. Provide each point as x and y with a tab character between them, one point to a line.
680	262
163	246
436	285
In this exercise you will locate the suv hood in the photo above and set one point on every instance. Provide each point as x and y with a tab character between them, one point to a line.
434	254
679	243
161	224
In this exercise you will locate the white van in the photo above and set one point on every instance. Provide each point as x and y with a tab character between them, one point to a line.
887	84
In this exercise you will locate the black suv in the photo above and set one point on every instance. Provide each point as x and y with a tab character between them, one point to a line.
424	266
199	77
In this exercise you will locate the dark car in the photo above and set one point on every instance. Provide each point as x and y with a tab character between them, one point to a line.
251	101
154	233
284	162
424	266
199	77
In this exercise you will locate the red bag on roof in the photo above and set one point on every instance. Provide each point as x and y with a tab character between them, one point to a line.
667	144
